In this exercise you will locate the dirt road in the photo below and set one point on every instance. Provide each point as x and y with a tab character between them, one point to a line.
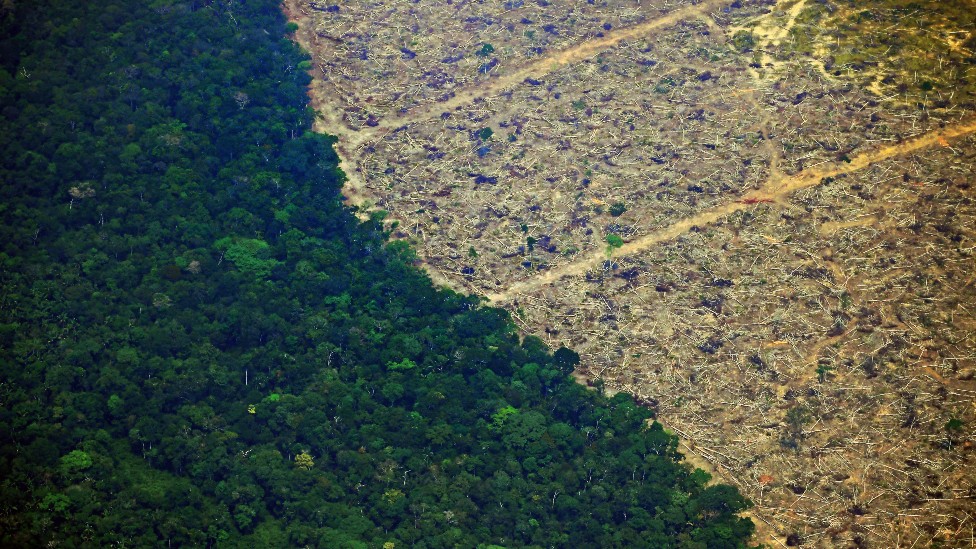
777	188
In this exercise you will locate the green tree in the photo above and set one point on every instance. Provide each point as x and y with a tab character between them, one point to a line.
250	255
613	242
74	462
304	461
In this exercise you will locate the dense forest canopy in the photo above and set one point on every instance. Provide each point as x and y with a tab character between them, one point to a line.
202	347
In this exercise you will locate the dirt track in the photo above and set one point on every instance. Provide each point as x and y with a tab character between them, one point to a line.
543	66
352	143
779	188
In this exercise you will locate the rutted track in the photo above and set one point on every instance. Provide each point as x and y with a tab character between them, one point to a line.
352	143
776	189
542	66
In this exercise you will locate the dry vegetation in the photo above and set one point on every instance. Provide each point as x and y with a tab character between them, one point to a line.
791	184
834	315
562	153
384	58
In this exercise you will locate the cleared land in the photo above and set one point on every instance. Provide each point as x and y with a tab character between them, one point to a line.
791	186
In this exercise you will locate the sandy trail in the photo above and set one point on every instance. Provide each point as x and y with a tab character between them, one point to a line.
831	227
541	67
778	188
771	31
352	142
754	97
